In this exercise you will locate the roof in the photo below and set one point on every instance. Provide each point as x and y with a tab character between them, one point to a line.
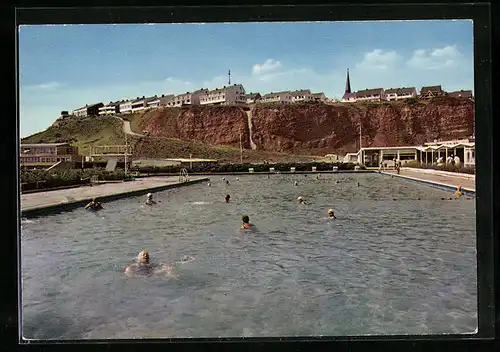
461	94
318	93
403	90
42	145
349	95
300	92
252	95
88	106
277	94
430	89
368	92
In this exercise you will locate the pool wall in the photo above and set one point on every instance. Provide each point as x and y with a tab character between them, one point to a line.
67	206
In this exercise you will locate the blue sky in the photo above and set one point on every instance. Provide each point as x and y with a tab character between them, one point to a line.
64	67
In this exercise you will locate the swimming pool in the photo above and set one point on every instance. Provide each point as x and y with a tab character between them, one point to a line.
398	260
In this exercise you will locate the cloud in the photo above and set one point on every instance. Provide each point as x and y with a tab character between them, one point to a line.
433	59
177	81
378	59
268	65
44	86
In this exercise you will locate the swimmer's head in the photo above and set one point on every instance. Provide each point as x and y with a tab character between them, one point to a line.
149	195
245	219
330	212
143	257
459	188
228	197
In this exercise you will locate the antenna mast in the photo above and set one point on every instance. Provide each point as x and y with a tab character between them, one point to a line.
229	77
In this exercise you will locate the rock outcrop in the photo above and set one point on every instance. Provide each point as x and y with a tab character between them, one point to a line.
317	128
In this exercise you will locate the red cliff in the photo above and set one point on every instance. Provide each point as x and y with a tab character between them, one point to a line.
316	128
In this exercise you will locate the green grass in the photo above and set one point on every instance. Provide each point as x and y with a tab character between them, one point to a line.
82	132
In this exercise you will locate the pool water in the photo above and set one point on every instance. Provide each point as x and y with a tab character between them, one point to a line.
398	260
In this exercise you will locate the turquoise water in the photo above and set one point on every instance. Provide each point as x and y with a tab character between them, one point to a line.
398	260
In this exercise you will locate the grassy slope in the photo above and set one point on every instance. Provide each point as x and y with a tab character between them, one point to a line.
82	132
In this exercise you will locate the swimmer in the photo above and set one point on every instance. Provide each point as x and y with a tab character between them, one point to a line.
223	179
228	197
94	205
246	223
227	182
267	176
301	200
237	178
149	200
337	181
144	267
296	183
358	184
209	184
331	214
317	176
458	193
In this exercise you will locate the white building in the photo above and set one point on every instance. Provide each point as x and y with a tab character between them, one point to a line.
234	94
279	97
400	93
349	98
88	110
301	95
160	101
252	98
126	107
186	99
319	97
110	109
141	103
375	94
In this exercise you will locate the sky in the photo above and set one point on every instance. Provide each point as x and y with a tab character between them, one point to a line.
64	67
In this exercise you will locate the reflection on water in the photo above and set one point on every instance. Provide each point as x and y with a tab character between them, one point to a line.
390	264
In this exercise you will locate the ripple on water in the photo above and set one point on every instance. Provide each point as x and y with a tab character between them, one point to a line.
378	269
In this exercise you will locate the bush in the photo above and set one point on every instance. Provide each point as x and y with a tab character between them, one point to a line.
33	179
321	166
444	167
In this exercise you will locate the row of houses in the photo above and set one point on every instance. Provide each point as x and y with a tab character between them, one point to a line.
234	94
378	94
391	94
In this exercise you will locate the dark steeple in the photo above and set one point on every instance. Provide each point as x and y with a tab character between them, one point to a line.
347	84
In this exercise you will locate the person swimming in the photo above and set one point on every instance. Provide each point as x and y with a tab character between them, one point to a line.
228	197
237	178
458	193
246	223
94	205
149	200
296	183
227	182
144	267
301	200
331	214
209	184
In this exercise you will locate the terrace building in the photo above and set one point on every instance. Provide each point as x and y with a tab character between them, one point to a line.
400	93
88	110
280	97
42	155
375	94
319	97
110	109
234	94
141	103
160	101
431	92
466	94
301	95
125	107
252	98
187	99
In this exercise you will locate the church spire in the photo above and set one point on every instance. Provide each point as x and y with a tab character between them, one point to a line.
348	84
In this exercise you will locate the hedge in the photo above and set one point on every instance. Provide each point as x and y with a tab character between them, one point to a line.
444	167
33	179
320	166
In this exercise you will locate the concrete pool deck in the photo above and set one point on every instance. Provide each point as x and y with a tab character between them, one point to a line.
41	203
443	180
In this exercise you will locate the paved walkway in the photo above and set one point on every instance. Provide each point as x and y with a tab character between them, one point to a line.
65	196
468	182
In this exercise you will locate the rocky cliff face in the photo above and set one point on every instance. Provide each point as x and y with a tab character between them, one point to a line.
317	128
